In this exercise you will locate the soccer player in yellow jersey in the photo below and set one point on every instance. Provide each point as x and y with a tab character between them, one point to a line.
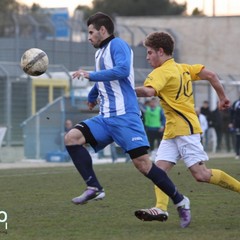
172	83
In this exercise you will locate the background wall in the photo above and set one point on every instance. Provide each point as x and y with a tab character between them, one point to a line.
207	40
213	41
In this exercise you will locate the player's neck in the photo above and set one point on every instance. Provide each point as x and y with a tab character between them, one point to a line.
106	40
165	59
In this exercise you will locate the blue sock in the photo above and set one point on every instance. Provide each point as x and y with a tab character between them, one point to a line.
161	179
83	162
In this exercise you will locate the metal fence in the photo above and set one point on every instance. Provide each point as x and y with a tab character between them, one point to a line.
17	104
39	130
43	133
22	96
203	90
16	98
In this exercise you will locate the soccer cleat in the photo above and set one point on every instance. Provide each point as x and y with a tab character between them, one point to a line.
184	212
152	214
91	193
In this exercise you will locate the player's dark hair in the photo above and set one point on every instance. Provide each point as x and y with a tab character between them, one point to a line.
158	40
101	19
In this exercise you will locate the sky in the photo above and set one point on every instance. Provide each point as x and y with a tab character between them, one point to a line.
222	7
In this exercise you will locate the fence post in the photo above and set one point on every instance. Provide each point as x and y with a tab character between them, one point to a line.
38	142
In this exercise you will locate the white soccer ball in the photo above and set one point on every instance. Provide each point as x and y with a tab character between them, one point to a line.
34	62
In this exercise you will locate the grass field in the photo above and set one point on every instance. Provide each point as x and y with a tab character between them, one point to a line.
38	204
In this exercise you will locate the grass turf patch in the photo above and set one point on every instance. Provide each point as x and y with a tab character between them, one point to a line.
38	204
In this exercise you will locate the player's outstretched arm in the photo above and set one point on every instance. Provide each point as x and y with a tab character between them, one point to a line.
213	79
91	105
92	97
145	91
80	73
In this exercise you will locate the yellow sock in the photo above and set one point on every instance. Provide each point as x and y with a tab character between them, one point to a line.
162	199
224	180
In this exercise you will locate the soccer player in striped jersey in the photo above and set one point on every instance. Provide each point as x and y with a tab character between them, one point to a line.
119	119
172	83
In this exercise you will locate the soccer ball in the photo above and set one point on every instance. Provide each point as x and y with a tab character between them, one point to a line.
34	62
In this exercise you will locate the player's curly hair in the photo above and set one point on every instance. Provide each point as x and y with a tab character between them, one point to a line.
101	19
158	40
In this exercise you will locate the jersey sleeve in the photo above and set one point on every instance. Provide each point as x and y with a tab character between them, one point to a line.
121	57
156	80
93	94
194	70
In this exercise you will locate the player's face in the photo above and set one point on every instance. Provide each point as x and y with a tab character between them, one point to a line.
153	57
94	36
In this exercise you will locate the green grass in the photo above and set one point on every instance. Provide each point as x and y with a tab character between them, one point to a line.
38	204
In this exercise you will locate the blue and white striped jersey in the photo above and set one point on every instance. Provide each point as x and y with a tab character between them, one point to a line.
114	77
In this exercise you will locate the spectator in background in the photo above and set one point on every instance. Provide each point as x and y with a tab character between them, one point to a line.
216	121
59	140
154	121
205	110
203	122
68	125
113	151
235	123
227	131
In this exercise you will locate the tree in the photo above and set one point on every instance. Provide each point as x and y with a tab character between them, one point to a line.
7	9
7	6
197	12
35	8
85	9
139	7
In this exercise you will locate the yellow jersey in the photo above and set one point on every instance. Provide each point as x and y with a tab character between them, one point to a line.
173	85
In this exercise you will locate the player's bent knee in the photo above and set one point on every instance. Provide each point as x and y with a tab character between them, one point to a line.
202	177
73	137
67	139
143	164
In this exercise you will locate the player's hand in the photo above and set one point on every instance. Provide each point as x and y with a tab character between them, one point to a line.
91	105
80	74
161	129
224	104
